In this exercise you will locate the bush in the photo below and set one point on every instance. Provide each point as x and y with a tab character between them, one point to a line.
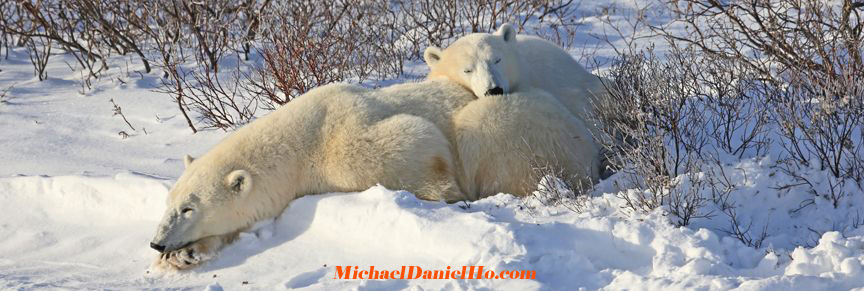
741	75
291	46
654	131
808	57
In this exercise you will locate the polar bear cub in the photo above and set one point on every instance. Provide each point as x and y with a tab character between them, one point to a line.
504	62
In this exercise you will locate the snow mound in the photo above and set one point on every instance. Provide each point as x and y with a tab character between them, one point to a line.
92	232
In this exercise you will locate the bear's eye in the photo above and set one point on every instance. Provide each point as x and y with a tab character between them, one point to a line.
467	71
498	60
187	211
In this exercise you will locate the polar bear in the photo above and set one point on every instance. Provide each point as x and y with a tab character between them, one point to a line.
432	138
336	138
504	62
502	142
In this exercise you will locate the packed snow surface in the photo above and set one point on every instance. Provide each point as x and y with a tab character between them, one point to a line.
92	232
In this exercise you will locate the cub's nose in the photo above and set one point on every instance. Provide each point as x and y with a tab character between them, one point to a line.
495	91
157	247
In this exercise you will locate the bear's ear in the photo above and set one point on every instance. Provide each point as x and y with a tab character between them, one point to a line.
507	32
432	55
239	181
187	160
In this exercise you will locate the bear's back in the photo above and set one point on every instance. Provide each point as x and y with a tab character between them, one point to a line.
433	100
546	65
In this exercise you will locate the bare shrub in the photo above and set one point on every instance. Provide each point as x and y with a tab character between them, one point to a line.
773	36
54	21
557	188
215	30
653	130
10	16
822	121
747	74
208	23
823	115
426	23
556	21
431	22
669	121
301	44
737	111
744	233
174	84
308	45
220	99
116	24
807	58
166	36
39	52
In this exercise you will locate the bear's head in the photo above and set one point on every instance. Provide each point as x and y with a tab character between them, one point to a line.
206	201
485	63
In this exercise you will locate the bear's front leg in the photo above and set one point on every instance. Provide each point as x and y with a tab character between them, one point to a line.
193	254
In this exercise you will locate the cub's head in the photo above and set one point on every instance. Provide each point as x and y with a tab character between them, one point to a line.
485	63
205	201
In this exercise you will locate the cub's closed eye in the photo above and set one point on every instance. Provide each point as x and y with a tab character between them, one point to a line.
186	211
467	71
498	61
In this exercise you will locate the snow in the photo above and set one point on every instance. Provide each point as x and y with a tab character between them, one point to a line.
79	204
50	129
92	232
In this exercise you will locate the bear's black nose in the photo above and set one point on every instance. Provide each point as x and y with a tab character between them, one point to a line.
495	91
157	247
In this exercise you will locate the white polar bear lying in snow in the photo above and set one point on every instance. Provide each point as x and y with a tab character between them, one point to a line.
431	138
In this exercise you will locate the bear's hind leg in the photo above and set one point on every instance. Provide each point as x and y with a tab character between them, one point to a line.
413	154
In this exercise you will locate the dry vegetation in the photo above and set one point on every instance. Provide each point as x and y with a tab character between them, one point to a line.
746	77
225	59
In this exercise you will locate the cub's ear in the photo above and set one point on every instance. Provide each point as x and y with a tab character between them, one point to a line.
432	55
187	160
507	32
239	181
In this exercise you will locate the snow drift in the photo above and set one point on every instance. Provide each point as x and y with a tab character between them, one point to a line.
92	232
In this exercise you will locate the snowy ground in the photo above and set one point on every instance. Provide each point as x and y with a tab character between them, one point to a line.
79	204
92	232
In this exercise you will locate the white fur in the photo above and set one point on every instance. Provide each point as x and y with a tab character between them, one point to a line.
503	140
336	138
479	62
526	62
432	138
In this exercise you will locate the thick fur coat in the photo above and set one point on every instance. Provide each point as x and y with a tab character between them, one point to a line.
432	138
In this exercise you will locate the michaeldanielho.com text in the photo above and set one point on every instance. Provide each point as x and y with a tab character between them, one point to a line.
415	272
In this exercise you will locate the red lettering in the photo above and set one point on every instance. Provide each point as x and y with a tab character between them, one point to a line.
416	272
411	272
342	274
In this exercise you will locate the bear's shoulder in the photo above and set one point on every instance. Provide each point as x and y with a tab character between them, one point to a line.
426	93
